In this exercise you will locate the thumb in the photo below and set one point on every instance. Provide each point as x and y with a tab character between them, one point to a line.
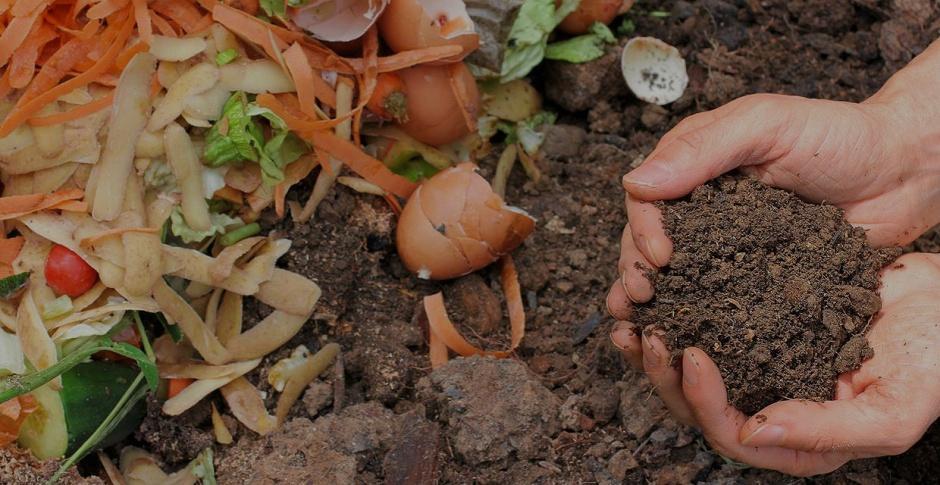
859	425
740	133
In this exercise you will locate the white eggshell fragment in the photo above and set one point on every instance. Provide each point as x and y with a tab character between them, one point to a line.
654	70
338	20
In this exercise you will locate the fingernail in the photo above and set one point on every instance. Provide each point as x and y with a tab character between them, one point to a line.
621	333
649	175
656	258
765	435
690	373
650	354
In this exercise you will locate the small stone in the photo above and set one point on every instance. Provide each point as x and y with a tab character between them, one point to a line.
653	116
621	463
317	397
562	141
564	286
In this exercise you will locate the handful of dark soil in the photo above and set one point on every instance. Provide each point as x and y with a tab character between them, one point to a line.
779	292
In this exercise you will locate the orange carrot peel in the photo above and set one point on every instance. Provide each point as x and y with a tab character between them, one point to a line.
444	336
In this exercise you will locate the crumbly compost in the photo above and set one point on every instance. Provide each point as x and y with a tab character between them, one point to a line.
778	291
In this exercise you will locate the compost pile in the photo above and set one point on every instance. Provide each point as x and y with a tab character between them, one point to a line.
779	292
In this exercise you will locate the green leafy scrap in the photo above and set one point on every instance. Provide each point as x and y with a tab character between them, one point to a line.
528	37
582	48
226	56
239	136
12	285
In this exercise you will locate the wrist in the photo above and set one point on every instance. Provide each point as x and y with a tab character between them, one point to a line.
908	108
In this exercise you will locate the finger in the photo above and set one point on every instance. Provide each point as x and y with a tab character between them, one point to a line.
861	425
744	132
689	123
720	423
665	378
649	236
633	266
618	303
625	337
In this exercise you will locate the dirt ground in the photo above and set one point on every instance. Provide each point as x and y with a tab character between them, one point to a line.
565	409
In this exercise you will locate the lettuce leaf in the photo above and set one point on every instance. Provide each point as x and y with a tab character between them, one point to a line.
219	223
273	8
239	136
528	37
582	48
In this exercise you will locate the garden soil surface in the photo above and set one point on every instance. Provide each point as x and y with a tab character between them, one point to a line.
565	409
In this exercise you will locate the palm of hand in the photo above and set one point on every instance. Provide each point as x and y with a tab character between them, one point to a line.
873	414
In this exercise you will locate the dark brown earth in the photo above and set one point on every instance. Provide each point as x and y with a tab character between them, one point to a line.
779	292
604	424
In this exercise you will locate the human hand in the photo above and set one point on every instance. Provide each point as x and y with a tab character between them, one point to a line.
882	408
870	159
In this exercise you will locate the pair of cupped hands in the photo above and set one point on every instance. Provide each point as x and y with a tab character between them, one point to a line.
879	161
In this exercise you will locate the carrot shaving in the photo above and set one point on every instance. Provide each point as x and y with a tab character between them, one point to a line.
24	111
124	57
105	8
75	113
280	194
328	61
5	87
393	203
294	119
15	206
253	29
303	75
22	8
71	206
94	239
15	34
143	19
163	26
10	249
23	63
12	415
184	13
176	386
442	331
367	167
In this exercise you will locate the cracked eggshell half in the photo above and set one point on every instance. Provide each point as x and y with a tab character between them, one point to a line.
338	20
654	70
445	106
454	224
417	24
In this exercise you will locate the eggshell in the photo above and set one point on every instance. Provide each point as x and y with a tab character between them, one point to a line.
654	70
590	11
455	224
415	24
436	114
338	20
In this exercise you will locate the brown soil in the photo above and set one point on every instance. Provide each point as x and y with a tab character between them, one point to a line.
779	292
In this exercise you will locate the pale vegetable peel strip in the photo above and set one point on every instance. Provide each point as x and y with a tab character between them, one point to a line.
272	332
184	161
222	435
192	265
128	119
34	338
222	266
198	79
197	370
201	337
289	292
302	376
244	400
97	312
230	317
444	332
212	309
196	391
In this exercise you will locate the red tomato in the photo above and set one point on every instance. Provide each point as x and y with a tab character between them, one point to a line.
67	273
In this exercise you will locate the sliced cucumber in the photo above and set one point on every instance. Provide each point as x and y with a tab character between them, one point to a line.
44	432
67	418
